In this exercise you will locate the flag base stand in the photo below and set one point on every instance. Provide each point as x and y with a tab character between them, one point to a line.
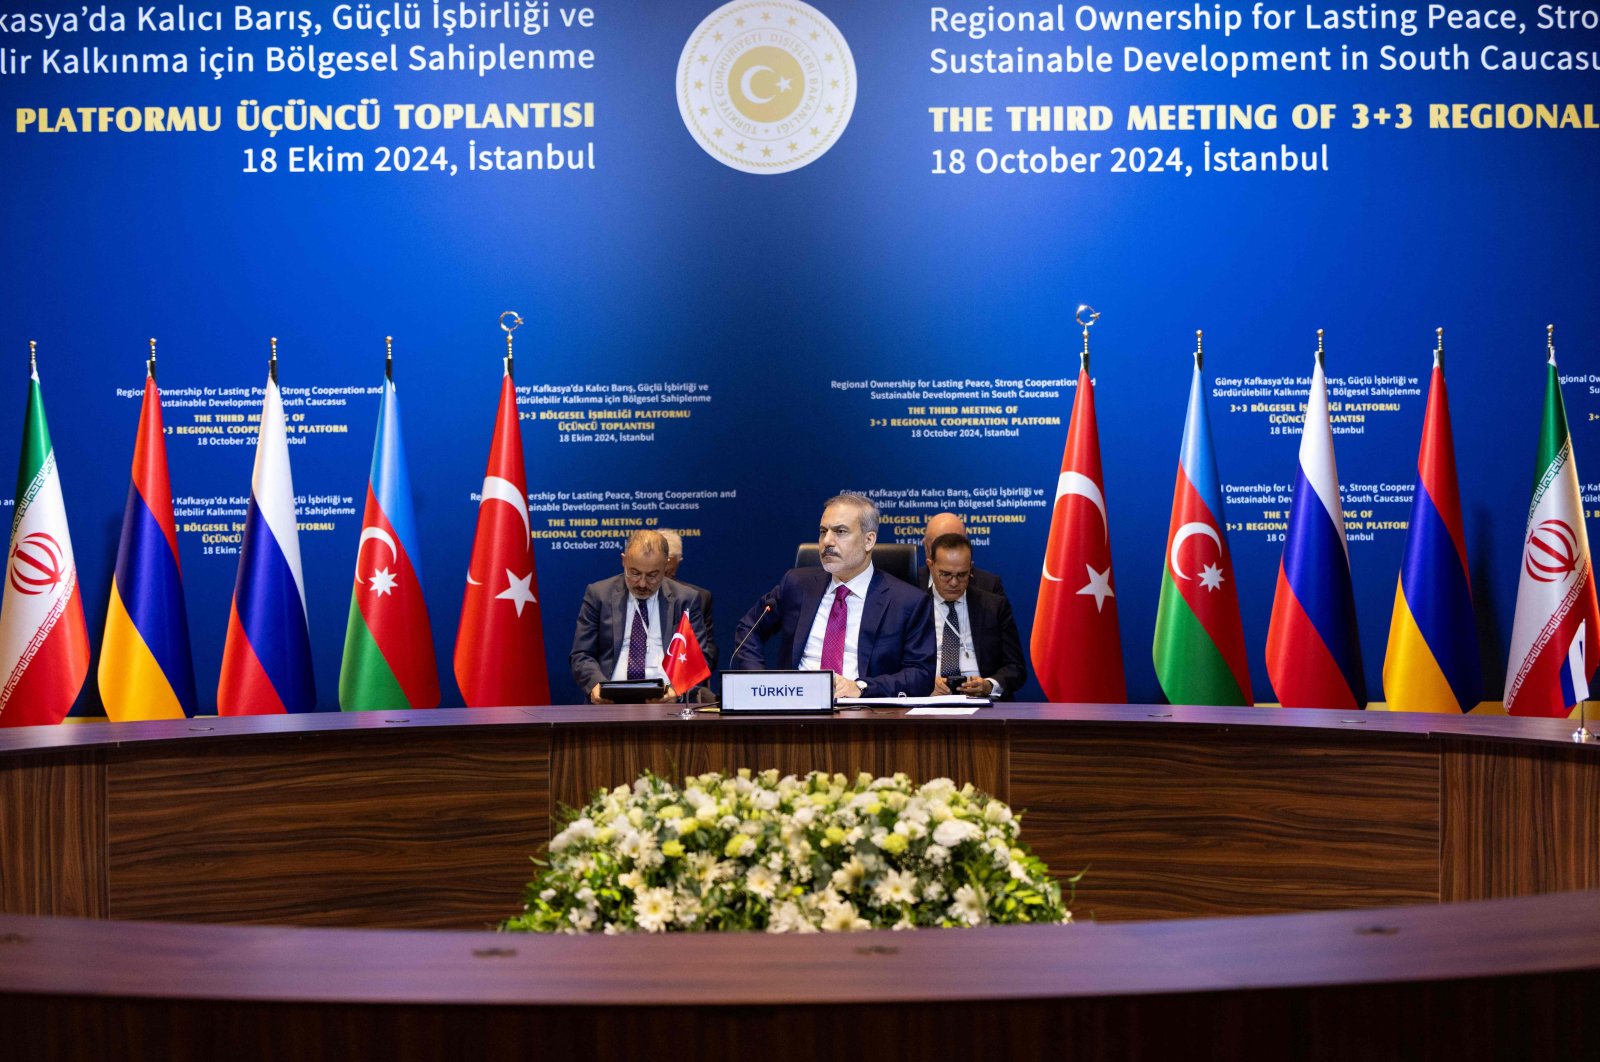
1582	735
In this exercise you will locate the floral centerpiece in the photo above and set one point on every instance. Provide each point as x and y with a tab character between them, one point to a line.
790	854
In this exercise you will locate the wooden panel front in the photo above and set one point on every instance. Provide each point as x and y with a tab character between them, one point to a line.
427	829
584	759
1182	824
53	834
1518	820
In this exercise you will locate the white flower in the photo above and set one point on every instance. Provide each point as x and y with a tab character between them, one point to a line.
937	854
1017	870
843	918
849	877
582	918
897	887
631	879
952	832
577	831
761	881
653	910
765	800
787	917
997	812
969	906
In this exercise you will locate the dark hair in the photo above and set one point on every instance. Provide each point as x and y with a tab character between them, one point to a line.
950	541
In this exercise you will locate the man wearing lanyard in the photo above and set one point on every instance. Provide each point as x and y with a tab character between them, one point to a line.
980	649
626	620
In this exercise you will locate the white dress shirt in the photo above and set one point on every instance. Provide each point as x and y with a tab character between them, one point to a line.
811	659
653	650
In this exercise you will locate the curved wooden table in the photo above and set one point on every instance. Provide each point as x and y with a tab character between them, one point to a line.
423	819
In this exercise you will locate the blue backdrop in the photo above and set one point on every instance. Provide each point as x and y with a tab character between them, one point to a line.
800	309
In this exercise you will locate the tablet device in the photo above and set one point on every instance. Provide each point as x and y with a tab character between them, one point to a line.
633	692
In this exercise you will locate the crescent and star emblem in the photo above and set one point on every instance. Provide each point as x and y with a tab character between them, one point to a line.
682	654
750	93
383	580
503	490
1099	584
1211	575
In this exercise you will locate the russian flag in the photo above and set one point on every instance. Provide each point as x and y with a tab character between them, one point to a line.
1313	647
146	670
266	660
1432	663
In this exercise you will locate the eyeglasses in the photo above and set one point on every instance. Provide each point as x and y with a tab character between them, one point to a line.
953	577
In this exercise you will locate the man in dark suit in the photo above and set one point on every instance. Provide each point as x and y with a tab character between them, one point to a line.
626	621
980	649
950	524
675	558
874	632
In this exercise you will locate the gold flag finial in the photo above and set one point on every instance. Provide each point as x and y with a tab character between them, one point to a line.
515	323
150	365
1319	349
272	364
33	358
1199	351
1094	316
388	359
1550	342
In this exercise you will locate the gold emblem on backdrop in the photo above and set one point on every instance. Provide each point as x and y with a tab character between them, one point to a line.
766	86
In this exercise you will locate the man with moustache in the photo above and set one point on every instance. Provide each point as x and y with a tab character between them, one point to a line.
874	632
626	621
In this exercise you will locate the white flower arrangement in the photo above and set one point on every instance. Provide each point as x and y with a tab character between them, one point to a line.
788	855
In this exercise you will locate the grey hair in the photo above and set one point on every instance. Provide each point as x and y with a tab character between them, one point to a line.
862	504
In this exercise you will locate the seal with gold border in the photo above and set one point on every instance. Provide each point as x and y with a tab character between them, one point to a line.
766	86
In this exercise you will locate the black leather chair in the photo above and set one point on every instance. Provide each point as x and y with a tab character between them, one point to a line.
898	559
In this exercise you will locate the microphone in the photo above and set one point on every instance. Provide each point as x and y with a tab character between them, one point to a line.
766	607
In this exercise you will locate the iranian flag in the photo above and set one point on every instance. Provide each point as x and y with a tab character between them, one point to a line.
1555	630
44	642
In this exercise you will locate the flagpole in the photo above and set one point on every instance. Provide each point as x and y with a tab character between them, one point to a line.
1199	352
1094	316
1320	363
150	366
388	359
272	363
1438	348
1582	734
516	322
33	358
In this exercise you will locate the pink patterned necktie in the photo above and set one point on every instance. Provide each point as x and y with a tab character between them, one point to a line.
833	637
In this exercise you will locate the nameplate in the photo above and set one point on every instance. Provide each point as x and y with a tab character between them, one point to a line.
777	691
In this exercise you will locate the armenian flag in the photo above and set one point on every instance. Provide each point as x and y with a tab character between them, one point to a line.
1432	662
146	670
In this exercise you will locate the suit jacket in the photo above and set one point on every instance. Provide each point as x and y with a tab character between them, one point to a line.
988	582
995	639
600	635
895	647
705	617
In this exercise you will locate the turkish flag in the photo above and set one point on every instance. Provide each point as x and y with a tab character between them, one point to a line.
499	658
684	663
1077	645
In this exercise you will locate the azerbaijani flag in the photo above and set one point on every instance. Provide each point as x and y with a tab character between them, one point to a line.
44	641
1432	662
146	670
499	657
1313	647
388	644
266	659
1199	649
1555	632
1076	643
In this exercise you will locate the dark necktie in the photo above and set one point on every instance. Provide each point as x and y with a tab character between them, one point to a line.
636	644
950	644
833	636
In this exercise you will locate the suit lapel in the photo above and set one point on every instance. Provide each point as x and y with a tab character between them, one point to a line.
815	590
619	618
873	610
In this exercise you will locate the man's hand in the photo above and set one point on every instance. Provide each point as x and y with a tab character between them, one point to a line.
843	687
669	695
976	687
595	698
941	688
